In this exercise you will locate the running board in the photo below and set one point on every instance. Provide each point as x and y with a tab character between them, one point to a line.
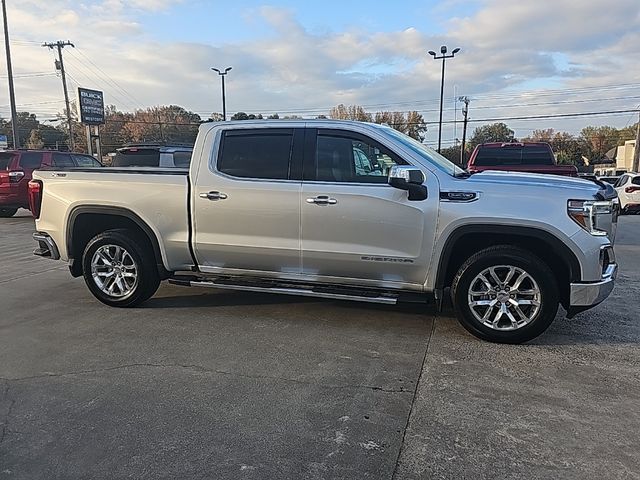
370	297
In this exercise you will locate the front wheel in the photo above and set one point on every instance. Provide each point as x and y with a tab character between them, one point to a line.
7	212
118	268
505	294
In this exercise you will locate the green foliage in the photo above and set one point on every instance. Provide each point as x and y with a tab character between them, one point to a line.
494	132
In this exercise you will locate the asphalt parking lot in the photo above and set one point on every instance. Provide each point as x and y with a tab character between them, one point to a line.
215	385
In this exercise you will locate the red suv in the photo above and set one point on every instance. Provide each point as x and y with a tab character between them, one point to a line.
17	166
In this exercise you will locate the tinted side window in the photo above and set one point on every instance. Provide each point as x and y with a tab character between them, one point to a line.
513	155
31	160
85	161
256	154
635	180
341	158
137	157
62	160
5	160
182	159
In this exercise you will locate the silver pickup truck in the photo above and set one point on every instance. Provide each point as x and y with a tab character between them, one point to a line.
341	210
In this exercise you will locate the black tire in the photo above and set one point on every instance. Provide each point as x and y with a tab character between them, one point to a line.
7	212
147	280
504	255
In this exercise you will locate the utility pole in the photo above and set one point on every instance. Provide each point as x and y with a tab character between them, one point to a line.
12	96
59	45
465	113
636	149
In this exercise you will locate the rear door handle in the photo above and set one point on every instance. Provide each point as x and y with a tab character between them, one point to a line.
213	195
322	200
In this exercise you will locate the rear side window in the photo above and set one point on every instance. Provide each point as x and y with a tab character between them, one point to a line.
635	180
85	161
5	160
256	153
62	160
182	159
31	160
513	155
137	157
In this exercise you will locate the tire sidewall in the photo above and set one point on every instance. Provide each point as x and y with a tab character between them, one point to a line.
535	267
145	270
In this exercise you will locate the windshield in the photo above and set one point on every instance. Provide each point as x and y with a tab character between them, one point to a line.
430	155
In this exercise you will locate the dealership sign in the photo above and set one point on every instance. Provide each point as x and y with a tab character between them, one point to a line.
91	106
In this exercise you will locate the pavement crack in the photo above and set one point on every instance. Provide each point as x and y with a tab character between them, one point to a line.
413	399
201	369
5	421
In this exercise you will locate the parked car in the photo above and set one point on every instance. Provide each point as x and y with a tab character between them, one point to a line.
628	188
518	157
610	179
16	167
286	207
152	155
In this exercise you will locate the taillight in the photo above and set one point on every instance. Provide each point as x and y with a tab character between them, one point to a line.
15	176
35	197
632	189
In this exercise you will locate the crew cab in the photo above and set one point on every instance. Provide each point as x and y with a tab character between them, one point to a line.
16	167
341	210
533	157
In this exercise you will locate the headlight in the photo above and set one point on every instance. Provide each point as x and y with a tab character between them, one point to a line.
585	213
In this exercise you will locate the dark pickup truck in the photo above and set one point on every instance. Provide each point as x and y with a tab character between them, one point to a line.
518	157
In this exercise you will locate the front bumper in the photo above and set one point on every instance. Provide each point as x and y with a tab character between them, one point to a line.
593	293
585	295
46	246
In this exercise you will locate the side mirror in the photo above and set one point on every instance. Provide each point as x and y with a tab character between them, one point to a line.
410	179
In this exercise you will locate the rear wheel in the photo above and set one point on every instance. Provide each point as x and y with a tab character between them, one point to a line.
119	269
505	294
7	212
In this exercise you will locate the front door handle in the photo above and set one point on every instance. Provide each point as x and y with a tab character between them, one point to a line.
322	200
213	195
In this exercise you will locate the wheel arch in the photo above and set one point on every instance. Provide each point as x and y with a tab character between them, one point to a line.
86	221
470	239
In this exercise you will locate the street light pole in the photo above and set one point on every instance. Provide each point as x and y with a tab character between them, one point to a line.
223	73
443	56
12	96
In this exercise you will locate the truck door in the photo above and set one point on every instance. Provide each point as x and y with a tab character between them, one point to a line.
354	225
246	201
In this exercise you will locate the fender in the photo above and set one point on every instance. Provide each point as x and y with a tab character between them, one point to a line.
114	211
559	247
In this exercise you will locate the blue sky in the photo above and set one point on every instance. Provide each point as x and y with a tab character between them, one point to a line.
301	57
222	22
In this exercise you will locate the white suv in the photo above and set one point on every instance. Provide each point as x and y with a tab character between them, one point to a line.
628	188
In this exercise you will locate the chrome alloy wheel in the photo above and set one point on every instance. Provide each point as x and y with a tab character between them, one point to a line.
504	297
114	271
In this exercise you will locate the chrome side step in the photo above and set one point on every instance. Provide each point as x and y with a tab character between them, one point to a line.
290	290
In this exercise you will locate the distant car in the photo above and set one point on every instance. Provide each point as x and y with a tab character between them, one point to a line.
17	166
153	155
610	179
628	188
532	157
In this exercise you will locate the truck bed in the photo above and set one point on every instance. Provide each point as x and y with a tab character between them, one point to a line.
158	196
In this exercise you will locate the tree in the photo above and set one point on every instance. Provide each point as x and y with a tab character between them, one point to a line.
240	116
352	112
452	154
567	148
216	117
494	132
416	126
599	140
275	116
35	140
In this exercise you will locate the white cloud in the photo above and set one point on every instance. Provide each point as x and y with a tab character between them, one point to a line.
505	45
